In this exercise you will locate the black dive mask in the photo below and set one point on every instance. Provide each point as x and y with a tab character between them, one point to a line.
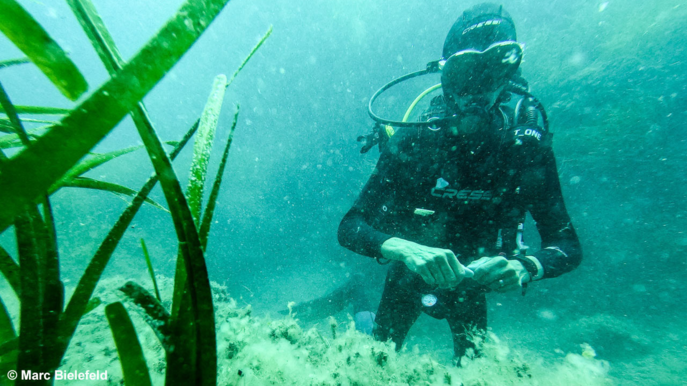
470	79
472	72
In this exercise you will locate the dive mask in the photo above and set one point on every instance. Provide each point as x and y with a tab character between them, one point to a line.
468	77
472	72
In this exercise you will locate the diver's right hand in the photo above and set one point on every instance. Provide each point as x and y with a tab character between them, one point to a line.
437	266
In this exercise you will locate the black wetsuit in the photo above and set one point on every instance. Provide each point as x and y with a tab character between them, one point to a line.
473	191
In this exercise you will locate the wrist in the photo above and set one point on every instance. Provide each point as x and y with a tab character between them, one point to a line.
531	265
522	272
393	248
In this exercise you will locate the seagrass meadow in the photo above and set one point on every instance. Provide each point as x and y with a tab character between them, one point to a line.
172	175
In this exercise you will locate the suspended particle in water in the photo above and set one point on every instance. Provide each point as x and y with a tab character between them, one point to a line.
578	59
575	180
547	314
587	351
603	6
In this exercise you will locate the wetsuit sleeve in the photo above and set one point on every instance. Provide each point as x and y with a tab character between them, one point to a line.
355	230
560	250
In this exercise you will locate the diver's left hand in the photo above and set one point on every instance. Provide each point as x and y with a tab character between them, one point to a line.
499	274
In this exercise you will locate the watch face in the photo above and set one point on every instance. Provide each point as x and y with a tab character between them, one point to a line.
429	300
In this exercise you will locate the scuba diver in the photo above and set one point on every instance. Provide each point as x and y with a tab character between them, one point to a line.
447	200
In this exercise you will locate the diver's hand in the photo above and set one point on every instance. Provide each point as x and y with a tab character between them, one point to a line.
437	266
499	274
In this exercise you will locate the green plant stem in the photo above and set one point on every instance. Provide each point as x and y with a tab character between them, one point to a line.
47	261
159	317
12	140
41	289
92	304
98	34
43	51
88	183
14	62
28	175
39	110
250	55
6	120
131	355
84	290
9	345
206	222
7	332
202	357
8	360
149	263
31	337
53	289
89	164
9	348
214	194
203	147
198	284
12	114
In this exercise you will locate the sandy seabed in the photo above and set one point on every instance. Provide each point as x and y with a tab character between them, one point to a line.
263	351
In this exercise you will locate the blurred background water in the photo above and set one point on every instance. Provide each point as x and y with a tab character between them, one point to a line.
612	76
